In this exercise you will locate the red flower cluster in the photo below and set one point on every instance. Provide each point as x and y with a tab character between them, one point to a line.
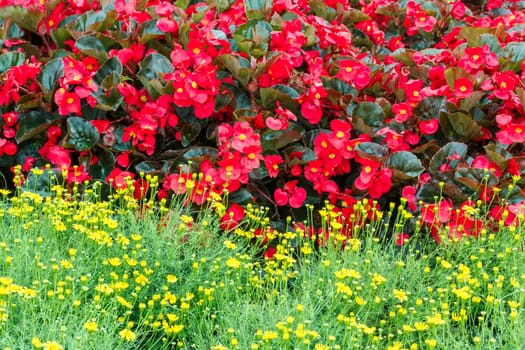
444	221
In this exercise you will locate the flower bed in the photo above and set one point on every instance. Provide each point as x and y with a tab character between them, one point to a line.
283	104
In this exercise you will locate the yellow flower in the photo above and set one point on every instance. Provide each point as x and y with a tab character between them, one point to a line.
36	342
51	345
127	334
233	263
172	279
91	326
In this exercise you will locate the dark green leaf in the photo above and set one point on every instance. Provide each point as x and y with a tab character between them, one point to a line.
148	167
189	132
149	31
342	87
110	101
91	21
276	139
82	134
106	163
371	113
241	196
473	178
28	149
371	150
49	75
10	59
431	107
284	94
448	154
470	102
405	165
95	45
221	101
153	64
33	123
238	66
307	155
59	36
109	67
119	144
42	183
24	17
498	154
459	126
241	99
196	153
514	196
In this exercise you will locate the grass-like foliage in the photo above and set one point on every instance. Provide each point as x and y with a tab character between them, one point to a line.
77	272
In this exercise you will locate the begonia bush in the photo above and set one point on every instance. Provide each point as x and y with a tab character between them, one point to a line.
279	103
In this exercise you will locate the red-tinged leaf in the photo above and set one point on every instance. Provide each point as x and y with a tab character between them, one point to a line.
454	73
24	17
450	150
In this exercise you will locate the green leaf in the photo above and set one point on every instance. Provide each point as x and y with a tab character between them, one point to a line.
42	183
82	134
371	113
405	165
255	9
515	51
307	155
110	101
498	154
222	5
149	31
22	16
91	21
342	87
33	123
447	154
28	149
284	94
459	126
430	107
49	75
10	59
109	67
470	102
371	150
473	178
241	196
189	132
119	145
148	167
106	163
241	98
276	139
59	36
493	43
95	45
153	64
514	196
238	66
199	153
454	73
183	4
